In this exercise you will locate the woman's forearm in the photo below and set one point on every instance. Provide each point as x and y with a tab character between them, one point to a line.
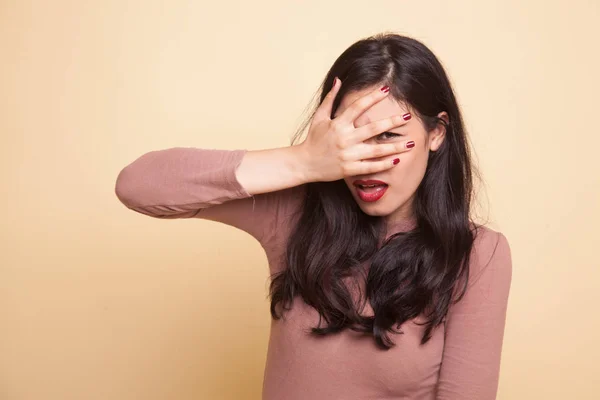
275	169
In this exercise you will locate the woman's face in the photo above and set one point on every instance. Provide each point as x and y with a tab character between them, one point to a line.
404	178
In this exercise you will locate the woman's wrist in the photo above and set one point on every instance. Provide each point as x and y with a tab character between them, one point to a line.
301	164
275	169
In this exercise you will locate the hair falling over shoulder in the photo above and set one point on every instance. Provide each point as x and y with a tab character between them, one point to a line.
415	273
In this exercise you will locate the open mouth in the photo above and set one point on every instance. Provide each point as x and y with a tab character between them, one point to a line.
370	190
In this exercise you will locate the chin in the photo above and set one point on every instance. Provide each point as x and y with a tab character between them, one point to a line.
375	210
376	213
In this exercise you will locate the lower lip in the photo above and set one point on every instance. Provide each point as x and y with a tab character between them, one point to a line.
371	196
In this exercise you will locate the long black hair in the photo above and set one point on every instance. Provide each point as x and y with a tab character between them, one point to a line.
414	272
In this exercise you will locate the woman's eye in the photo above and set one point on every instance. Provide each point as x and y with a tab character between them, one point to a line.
387	135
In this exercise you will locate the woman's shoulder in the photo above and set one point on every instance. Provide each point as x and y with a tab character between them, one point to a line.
490	254
487	240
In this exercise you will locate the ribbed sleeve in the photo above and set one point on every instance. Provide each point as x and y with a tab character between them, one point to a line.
475	325
185	182
178	182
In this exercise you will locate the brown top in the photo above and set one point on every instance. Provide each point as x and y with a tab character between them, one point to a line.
462	359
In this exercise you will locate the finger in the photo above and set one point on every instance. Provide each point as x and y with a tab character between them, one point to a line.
362	104
377	127
365	151
326	107
371	167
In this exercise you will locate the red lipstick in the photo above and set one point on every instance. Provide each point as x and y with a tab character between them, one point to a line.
370	190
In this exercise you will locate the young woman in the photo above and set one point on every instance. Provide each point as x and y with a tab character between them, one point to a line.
382	287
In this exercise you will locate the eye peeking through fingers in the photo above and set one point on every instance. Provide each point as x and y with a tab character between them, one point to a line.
387	135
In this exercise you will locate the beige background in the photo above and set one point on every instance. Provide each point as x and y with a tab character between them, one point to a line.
97	302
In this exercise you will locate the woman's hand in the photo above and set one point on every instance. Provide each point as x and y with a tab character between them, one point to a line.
334	148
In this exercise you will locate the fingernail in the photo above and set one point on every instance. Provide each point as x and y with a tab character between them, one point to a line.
396	161
410	145
406	116
334	82
385	89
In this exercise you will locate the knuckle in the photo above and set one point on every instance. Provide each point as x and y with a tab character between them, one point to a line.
369	169
363	168
378	151
396	120
334	125
379	126
344	156
374	167
341	142
363	103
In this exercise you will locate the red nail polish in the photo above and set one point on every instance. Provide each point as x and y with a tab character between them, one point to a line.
385	89
406	116
396	161
410	145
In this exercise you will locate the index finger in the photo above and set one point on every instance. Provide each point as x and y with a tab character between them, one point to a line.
326	106
363	103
